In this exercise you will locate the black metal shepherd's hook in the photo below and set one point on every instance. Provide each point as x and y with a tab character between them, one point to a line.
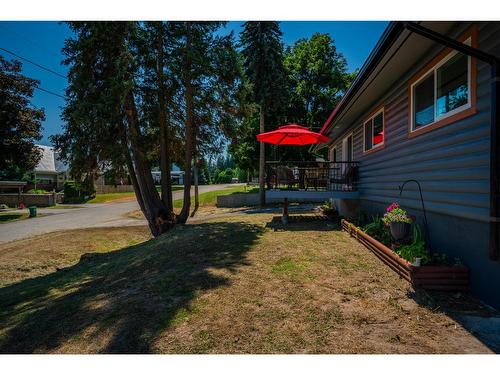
427	234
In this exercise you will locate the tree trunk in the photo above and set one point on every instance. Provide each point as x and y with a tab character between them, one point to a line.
188	153
165	163
195	176
195	171
168	161
133	177
165	166
196	195
262	157
188	157
159	219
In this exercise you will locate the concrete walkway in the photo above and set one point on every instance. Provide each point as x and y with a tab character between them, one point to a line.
88	216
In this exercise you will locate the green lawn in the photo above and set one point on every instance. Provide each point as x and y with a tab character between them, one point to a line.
111	197
210	198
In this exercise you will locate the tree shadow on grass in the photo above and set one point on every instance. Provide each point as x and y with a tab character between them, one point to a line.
10	217
303	222
119	302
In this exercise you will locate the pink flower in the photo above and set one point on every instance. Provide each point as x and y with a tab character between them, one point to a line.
392	206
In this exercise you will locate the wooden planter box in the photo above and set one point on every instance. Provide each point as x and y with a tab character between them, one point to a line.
451	278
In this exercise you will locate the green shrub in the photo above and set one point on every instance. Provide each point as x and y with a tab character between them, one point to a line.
378	230
328	207
78	192
416	249
329	210
225	176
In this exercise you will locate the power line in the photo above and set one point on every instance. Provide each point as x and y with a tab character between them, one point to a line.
34	63
49	92
36	87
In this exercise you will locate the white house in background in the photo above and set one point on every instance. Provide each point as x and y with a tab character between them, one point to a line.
50	171
176	175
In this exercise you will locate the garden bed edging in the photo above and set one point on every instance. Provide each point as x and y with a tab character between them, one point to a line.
449	278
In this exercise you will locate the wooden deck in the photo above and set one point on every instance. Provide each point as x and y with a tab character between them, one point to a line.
311	195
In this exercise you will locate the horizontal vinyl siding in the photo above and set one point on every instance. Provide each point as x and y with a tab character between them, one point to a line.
451	163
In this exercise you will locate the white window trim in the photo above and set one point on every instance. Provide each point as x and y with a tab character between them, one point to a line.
331	151
344	141
383	129
433	71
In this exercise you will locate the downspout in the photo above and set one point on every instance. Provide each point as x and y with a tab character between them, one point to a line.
494	63
494	166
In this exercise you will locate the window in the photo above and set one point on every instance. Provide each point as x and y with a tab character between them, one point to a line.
374	131
452	84
424	102
442	91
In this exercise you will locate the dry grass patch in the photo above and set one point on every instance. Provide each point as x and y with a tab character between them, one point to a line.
229	285
44	254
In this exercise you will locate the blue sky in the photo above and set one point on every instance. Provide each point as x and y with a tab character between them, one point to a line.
41	42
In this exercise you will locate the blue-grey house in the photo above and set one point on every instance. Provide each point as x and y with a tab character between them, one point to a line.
424	107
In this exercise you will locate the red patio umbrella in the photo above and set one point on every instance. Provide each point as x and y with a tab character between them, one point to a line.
292	134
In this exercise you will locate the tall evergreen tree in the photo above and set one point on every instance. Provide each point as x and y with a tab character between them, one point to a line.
102	113
20	122
263	54
159	90
141	92
205	66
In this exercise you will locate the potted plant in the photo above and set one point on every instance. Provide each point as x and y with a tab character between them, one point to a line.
329	210
398	221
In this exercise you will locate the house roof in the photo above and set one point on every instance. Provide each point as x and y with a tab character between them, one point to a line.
396	54
49	162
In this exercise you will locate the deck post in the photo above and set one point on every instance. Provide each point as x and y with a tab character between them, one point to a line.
284	218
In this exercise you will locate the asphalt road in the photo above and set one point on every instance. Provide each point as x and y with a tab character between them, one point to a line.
88	216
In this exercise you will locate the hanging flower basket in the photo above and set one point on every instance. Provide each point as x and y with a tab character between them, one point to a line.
398	221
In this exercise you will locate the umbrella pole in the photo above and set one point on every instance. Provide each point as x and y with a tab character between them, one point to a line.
284	218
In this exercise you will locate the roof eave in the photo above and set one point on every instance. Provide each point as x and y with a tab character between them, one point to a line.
391	33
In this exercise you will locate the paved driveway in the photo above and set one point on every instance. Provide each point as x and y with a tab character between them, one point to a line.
88	216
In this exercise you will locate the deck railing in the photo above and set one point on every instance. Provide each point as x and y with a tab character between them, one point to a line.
312	175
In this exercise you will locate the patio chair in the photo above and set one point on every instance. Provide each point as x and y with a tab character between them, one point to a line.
271	178
316	178
285	176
